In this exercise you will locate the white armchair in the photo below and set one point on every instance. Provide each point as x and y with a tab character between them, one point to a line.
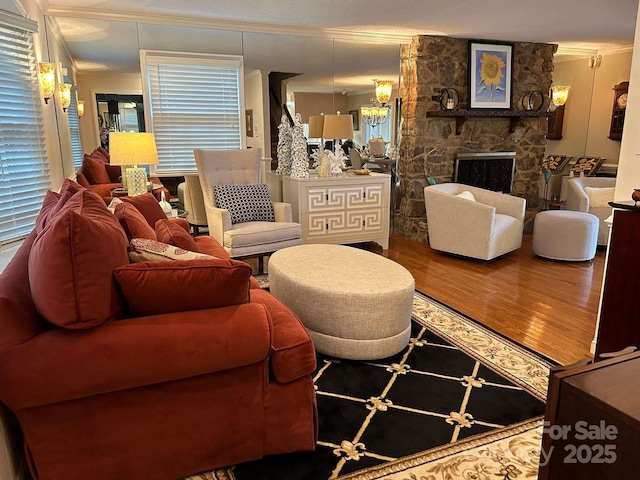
248	239
486	228
594	200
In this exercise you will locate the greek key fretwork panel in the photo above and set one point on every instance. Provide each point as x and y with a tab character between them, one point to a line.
344	197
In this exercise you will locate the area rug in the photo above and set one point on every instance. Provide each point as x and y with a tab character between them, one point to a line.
460	402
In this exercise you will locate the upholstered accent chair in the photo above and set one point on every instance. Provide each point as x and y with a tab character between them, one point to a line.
483	225
191	199
250	238
592	195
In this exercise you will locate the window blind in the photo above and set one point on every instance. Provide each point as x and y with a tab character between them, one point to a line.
194	102
74	130
24	170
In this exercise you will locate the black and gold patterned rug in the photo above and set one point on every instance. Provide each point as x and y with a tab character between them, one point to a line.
459	402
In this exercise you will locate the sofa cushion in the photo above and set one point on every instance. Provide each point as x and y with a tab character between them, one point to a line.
132	221
467	195
95	170
174	234
145	250
148	206
599	196
245	203
71	263
148	287
114	172
49	210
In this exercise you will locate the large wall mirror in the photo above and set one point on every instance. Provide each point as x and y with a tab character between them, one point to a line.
318	74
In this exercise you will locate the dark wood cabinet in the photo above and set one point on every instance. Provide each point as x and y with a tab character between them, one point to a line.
593	415
619	325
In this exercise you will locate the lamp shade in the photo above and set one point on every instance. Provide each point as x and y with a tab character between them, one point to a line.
316	124
132	148
559	95
47	79
65	95
338	126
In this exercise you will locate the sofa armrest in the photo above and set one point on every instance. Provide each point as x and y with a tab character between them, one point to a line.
61	365
218	221
209	245
504	204
282	212
577	199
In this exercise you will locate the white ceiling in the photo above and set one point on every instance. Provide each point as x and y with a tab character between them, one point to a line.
103	34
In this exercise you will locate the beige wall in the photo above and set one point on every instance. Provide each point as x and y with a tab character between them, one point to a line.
102	82
613	70
254	88
629	164
307	104
588	110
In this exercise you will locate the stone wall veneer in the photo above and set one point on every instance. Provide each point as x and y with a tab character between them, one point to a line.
431	63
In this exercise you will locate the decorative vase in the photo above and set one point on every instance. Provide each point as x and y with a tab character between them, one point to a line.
166	206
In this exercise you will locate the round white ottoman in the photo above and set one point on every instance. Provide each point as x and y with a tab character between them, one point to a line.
565	235
355	304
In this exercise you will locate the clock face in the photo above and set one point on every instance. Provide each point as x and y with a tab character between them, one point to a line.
622	100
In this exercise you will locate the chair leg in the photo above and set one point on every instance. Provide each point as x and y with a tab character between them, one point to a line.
260	264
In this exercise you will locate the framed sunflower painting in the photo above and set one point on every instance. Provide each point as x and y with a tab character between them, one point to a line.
490	75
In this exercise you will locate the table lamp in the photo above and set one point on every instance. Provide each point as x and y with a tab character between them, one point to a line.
316	124
337	127
130	150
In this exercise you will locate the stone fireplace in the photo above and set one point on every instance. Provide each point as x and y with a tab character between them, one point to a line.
430	145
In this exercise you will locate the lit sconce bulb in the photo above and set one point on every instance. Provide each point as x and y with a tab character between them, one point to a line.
559	95
80	107
65	95
47	80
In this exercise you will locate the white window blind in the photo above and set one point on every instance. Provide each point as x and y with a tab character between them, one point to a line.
195	101
24	171
74	130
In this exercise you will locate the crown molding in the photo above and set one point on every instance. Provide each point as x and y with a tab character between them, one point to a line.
54	28
614	50
230	25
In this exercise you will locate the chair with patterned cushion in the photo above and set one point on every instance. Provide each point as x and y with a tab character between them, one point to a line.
240	214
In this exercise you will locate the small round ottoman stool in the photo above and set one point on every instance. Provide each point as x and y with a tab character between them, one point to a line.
565	235
355	304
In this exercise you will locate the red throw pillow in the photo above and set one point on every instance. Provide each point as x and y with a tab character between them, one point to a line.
50	209
173	234
148	206
114	172
149	287
95	170
71	264
132	221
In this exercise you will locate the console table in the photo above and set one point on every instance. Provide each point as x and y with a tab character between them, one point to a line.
342	209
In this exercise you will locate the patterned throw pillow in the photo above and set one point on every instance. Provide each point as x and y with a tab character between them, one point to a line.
145	250
245	203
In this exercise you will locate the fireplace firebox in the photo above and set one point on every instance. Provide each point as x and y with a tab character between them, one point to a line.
489	170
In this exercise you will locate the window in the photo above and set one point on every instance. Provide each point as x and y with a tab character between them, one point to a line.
195	101
74	130
24	167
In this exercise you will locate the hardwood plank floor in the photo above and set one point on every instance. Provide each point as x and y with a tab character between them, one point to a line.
550	307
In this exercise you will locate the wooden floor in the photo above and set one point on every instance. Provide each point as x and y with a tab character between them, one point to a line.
550	307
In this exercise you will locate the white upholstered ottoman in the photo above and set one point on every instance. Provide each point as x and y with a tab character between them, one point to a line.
565	235
355	304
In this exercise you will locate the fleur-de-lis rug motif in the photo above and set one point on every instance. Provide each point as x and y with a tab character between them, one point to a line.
459	402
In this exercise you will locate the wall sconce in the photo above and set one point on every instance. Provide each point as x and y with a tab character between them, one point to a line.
80	107
65	95
559	95
383	90
47	80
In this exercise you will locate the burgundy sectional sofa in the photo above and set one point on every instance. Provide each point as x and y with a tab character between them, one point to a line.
151	370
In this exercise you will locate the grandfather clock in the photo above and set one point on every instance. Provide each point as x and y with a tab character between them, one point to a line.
619	107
